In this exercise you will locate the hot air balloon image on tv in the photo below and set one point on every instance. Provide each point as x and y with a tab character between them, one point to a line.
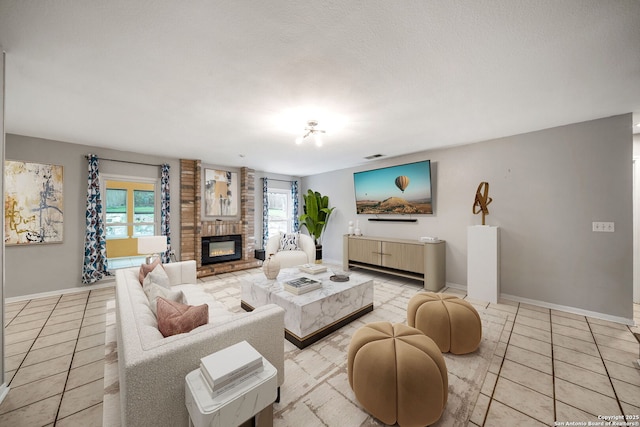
402	182
402	189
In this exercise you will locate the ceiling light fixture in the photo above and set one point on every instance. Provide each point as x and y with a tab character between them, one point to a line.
311	130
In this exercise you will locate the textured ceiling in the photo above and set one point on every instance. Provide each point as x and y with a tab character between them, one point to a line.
213	80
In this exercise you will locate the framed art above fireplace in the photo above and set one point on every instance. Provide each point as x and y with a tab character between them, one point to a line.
221	193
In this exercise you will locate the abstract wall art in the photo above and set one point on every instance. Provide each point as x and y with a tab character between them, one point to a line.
34	204
221	196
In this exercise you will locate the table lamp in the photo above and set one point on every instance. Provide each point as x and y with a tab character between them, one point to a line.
152	246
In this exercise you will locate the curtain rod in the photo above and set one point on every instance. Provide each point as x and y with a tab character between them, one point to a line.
281	180
125	161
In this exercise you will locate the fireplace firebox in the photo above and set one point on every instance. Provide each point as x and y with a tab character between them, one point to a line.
217	249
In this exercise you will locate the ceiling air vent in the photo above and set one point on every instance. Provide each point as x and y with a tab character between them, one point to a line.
374	156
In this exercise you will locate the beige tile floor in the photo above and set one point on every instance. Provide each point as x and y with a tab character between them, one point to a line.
549	366
552	367
54	360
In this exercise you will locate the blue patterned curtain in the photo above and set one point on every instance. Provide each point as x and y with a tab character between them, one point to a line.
265	212
294	209
94	266
165	211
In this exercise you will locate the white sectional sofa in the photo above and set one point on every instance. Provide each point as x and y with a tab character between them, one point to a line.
152	368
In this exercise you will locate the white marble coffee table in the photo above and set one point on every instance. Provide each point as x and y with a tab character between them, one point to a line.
316	314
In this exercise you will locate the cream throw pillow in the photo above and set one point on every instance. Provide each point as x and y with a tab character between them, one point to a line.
156	284
146	269
157	276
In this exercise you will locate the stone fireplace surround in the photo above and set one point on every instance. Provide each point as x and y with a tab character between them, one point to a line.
192	228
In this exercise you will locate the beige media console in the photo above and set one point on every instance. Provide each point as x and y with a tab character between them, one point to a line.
406	258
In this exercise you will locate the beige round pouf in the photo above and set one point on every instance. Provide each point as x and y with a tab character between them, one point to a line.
451	322
398	374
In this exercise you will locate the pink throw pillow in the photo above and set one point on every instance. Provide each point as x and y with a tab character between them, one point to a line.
177	318
146	269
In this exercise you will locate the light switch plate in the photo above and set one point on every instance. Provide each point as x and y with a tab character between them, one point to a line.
600	226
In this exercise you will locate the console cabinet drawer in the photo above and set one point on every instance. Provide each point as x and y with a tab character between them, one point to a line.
367	251
403	256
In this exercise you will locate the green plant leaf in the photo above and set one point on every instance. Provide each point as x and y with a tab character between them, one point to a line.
316	214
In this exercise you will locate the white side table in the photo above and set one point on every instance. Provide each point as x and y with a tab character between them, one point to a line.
234	404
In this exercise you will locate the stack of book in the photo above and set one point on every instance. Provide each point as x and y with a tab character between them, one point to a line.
301	285
230	366
313	268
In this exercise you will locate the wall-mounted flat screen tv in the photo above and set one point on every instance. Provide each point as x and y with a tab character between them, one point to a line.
403	189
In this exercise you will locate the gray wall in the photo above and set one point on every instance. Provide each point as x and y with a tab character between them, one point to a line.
547	188
52	267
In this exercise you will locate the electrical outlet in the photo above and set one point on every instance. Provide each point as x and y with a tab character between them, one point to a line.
599	226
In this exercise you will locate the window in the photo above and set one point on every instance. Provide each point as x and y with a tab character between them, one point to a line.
130	212
143	213
280	211
116	213
120	222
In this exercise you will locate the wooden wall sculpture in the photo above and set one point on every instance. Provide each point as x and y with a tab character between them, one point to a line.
482	200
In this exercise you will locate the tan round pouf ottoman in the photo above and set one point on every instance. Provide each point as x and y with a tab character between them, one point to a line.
451	322
398	374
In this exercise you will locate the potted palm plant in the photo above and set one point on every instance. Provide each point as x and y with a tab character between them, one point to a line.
315	217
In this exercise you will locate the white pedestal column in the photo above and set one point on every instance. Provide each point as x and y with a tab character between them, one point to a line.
483	262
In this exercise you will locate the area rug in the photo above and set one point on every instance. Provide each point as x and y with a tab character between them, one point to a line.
316	390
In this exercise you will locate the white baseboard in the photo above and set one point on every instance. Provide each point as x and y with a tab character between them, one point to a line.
455	286
568	309
4	390
574	310
104	283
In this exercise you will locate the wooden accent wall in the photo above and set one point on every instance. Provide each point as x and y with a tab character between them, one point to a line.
193	228
188	194
248	211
